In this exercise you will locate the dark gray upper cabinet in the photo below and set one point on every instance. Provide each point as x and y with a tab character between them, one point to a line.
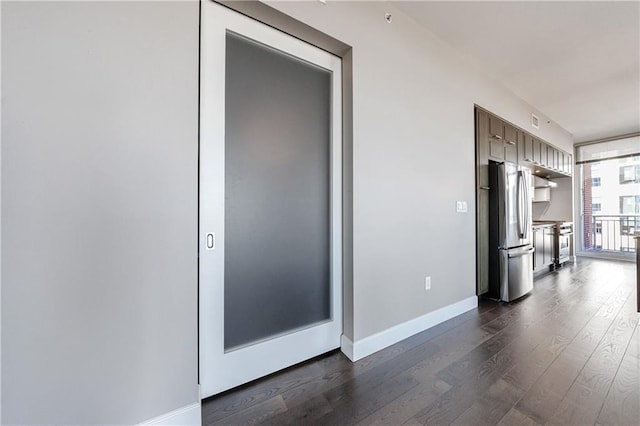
527	148
496	138
482	147
544	154
482	200
550	162
501	141
511	135
560	163
537	151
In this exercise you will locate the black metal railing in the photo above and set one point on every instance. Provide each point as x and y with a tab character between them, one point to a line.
612	233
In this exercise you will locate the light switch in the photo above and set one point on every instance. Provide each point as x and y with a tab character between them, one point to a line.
461	206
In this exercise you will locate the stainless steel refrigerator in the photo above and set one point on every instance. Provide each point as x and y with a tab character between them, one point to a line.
510	234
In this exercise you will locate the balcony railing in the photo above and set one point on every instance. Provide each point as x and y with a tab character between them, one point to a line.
611	233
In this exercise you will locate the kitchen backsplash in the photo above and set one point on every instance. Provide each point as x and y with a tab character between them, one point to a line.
560	206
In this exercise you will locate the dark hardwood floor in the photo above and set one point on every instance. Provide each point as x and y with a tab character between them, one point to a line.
569	353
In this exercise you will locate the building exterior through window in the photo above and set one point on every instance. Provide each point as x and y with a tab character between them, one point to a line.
609	174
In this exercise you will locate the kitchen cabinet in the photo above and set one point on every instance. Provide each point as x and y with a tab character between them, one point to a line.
543	242
527	148
482	201
550	158
538	244
549	246
496	139
511	135
499	140
566	164
502	140
559	159
544	154
539	152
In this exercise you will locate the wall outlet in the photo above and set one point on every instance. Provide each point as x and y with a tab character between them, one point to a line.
461	206
427	283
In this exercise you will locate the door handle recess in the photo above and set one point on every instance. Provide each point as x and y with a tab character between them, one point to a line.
210	241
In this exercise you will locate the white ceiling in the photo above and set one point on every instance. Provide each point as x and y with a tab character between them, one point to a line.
578	62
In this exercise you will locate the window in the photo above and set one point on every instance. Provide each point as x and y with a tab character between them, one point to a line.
630	174
630	204
609	173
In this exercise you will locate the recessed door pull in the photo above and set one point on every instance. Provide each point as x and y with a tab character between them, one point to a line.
211	241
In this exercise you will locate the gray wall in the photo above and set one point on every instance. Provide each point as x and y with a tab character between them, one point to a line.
413	158
99	127
99	211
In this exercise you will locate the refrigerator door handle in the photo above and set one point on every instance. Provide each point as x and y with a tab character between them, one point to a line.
502	206
525	204
520	204
519	253
527	207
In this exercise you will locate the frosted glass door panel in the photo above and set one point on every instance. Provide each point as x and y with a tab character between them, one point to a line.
277	193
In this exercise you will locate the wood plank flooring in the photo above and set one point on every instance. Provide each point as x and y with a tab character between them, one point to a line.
569	353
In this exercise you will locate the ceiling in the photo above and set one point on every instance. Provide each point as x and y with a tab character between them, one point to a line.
578	62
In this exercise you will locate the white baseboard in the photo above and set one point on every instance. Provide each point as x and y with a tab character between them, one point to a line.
362	348
191	415
346	346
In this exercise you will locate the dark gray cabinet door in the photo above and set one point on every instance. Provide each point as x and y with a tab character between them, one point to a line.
553	159
496	138
549	158
511	135
538	243
537	151
482	197
544	154
544	256
528	148
549	251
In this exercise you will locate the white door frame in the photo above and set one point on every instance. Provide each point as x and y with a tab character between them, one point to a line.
220	370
